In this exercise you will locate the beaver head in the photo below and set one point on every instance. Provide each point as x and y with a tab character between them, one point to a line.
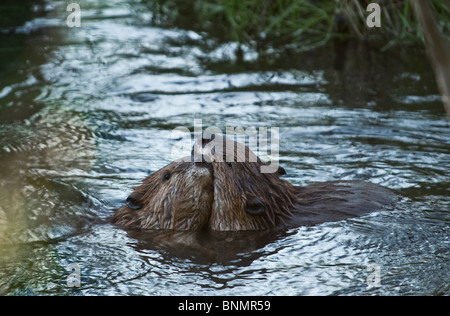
245	198
177	197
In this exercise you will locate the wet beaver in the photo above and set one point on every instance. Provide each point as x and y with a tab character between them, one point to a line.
177	197
220	187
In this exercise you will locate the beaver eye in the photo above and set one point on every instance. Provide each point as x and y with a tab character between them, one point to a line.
167	176
229	164
255	206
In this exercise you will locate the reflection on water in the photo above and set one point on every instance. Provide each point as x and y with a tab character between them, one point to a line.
86	113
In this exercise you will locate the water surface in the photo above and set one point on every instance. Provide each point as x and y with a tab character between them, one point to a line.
86	113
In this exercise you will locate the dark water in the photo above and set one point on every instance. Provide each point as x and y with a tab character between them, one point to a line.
86	113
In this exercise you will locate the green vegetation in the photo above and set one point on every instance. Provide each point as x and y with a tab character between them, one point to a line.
399	23
298	24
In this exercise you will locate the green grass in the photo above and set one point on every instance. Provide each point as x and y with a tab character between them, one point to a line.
298	24
399	24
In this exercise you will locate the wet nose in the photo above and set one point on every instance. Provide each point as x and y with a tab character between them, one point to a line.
207	140
204	142
198	159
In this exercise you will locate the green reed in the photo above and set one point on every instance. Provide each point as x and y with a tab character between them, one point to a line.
299	24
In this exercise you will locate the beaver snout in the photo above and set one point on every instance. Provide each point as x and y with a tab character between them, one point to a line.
200	162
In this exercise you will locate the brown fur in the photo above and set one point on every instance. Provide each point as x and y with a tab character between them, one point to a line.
240	188
180	202
216	194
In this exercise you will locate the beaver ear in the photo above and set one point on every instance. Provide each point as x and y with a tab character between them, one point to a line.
134	201
254	206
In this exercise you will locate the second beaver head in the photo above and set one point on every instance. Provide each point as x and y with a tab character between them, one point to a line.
177	197
245	197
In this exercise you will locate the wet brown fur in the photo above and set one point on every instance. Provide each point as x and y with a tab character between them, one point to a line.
225	190
181	202
239	187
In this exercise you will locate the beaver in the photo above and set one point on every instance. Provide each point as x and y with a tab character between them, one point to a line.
220	187
177	197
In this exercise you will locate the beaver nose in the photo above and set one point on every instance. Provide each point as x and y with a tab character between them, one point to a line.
203	164
204	141
198	159
207	140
